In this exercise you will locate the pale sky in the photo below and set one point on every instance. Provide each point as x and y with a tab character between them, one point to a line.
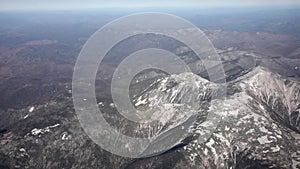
94	4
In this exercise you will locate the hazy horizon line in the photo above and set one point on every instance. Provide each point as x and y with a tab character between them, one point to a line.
34	5
143	8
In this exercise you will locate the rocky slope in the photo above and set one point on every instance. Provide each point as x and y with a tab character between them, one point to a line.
258	126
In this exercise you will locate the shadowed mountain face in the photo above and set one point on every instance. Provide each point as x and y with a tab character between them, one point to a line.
253	132
258	124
